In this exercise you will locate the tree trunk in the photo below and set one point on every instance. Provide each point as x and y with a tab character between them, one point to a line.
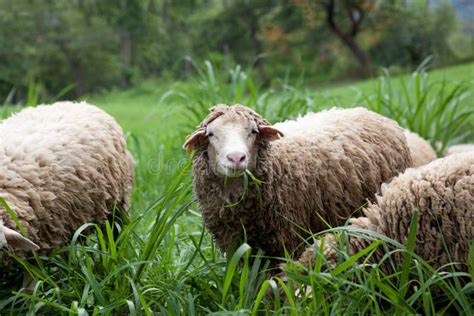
78	69
126	55
355	49
257	46
355	15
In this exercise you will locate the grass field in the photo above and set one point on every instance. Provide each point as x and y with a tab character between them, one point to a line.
164	262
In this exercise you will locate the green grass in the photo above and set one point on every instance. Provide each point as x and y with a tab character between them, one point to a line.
164	262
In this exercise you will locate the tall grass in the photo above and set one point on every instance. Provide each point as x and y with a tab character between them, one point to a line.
238	86
433	109
163	261
35	94
111	273
413	287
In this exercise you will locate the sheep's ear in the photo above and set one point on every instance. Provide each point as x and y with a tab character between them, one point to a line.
17	242
194	140
269	133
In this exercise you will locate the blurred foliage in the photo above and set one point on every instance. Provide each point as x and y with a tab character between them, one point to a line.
412	32
70	48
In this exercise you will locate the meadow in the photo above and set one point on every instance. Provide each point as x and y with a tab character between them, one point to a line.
164	262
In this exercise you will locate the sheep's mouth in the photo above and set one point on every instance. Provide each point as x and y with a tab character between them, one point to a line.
231	171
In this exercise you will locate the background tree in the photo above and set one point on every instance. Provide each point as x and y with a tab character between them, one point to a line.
50	46
408	32
345	18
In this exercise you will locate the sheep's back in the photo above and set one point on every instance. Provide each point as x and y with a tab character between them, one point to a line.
460	148
443	192
337	163
421	151
63	165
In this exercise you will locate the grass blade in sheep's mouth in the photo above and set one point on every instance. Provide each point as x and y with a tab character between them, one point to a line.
257	182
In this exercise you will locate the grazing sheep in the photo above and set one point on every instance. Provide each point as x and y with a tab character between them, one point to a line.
461	148
61	166
421	151
316	169
442	191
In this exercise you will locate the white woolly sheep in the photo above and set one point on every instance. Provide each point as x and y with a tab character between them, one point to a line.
421	151
316	169
443	194
61	166
461	148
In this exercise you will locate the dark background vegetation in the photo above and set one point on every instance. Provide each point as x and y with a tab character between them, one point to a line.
68	48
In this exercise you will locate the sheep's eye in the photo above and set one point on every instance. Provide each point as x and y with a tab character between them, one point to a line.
210	134
253	132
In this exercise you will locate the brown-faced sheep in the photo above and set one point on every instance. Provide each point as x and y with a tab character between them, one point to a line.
61	166
315	170
421	151
443	194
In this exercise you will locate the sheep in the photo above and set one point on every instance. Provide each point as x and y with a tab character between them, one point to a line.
421	151
61	166
314	171
443	194
459	149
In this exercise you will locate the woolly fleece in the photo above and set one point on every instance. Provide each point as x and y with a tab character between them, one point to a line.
421	151
442	191
61	166
461	148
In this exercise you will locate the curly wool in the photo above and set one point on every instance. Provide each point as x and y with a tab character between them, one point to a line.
461	148
61	166
421	151
443	194
323	170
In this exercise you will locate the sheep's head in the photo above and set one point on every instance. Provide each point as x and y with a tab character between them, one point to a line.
14	240
232	135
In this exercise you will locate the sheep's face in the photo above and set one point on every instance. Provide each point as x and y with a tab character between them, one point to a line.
232	143
232	146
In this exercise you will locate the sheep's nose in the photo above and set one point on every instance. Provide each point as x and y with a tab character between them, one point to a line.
237	157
